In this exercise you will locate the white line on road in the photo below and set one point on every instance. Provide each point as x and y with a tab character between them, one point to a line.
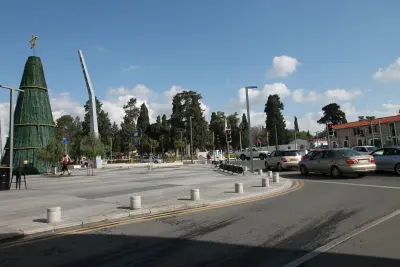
340	240
365	185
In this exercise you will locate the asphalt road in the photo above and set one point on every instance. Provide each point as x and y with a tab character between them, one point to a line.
338	214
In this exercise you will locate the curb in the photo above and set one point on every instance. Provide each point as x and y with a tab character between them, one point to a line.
144	213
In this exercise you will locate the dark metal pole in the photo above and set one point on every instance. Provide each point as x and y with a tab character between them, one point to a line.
249	128
11	134
191	140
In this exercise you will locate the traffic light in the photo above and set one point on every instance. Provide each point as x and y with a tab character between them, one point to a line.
330	129
228	135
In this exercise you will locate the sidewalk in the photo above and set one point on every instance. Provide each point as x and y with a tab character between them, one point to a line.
85	200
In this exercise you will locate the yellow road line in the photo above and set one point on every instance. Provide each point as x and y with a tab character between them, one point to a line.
297	185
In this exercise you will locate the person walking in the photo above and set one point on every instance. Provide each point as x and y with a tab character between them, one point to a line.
64	163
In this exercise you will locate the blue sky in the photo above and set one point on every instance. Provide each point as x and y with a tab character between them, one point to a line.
150	49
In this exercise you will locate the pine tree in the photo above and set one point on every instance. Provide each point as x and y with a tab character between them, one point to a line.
128	125
296	124
275	122
143	122
244	131
185	105
116	138
333	114
103	122
217	126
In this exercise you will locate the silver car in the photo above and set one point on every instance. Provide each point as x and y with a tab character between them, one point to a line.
365	150
283	159
387	159
338	161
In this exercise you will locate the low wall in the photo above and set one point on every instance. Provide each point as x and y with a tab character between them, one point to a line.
143	165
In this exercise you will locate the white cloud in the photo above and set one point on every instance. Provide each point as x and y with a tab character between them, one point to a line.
341	94
299	96
100	48
390	74
130	68
63	105
283	66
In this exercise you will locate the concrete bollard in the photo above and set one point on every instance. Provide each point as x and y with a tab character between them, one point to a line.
194	194
136	202
276	177
260	172
54	215
239	188
269	174
265	182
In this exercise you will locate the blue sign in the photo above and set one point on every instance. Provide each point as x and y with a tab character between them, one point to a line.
137	143
65	141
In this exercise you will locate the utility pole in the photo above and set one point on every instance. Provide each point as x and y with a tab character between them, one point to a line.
213	141
327	135
240	139
11	130
249	127
295	139
191	140
181	146
111	149
276	138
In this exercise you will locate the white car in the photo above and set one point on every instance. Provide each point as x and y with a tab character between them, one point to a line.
257	153
284	159
364	150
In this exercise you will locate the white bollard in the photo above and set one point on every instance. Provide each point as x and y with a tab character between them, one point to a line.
265	182
260	172
276	177
54	215
136	202
269	174
194	194
245	168
239	188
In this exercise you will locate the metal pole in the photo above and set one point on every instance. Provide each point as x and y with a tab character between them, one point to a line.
11	133
191	140
213	141
240	140
276	137
327	135
380	132
249	129
181	147
395	133
111	149
295	140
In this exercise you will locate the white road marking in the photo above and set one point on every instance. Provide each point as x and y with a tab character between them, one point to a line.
309	256
365	185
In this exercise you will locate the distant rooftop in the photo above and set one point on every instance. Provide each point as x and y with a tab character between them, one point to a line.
367	122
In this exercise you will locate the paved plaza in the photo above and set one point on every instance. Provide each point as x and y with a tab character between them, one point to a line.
106	196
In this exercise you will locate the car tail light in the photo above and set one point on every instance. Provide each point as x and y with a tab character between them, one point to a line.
304	157
372	160
283	159
351	161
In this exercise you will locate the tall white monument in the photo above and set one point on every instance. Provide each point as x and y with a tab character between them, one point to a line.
94	128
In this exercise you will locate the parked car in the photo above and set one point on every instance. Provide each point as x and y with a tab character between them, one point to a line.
151	159
365	150
338	161
283	159
257	153
387	159
310	154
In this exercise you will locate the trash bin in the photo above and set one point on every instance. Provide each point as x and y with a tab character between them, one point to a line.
4	179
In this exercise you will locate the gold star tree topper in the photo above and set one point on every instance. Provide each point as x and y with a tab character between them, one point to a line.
33	41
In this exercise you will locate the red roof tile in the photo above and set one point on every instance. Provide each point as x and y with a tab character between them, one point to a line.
367	122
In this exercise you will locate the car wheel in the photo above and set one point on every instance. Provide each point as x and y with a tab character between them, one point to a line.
335	172
279	167
242	157
397	169
303	170
262	157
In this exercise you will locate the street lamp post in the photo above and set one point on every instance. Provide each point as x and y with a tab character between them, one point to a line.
191	140
249	127
11	133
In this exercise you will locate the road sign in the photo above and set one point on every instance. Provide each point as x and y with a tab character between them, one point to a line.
65	141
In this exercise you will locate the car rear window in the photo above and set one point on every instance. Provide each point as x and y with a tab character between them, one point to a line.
347	152
290	153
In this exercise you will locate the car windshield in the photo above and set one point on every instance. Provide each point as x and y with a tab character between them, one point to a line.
347	153
291	153
371	148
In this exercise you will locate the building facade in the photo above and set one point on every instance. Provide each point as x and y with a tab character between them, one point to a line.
379	132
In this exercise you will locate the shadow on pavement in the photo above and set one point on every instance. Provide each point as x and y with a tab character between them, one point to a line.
104	248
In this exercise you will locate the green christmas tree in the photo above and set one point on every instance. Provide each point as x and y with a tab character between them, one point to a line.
33	120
